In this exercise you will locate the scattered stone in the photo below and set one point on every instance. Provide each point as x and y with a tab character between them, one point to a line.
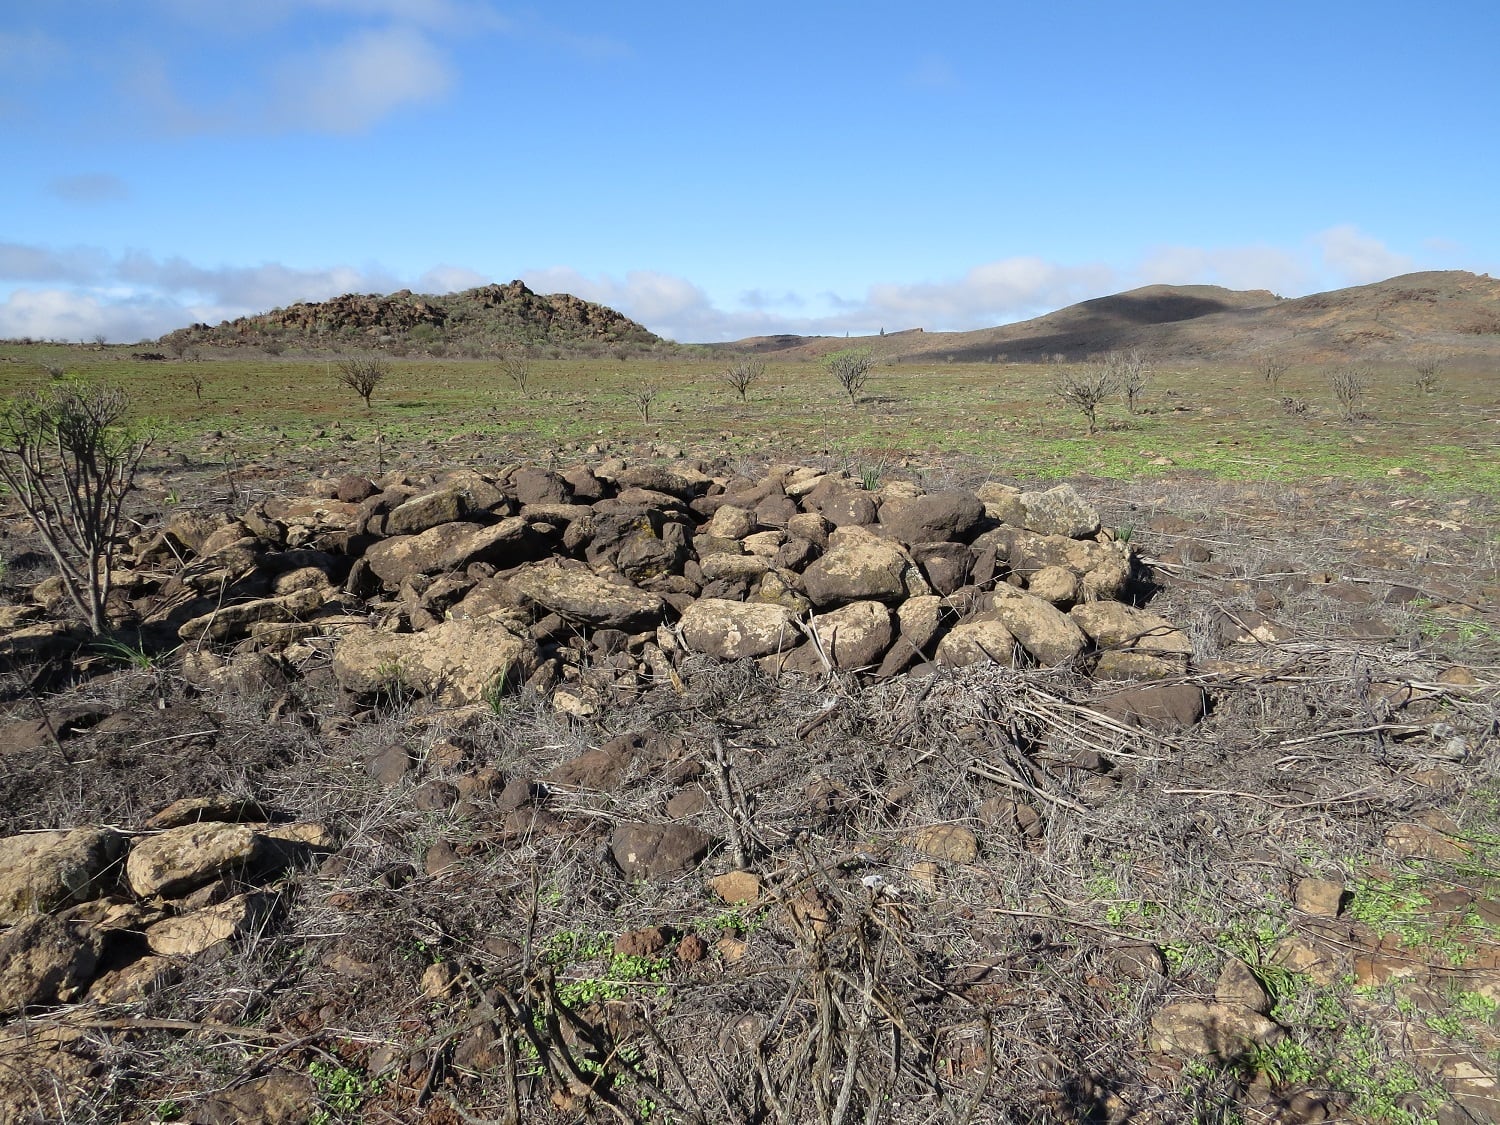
658	851
1226	1032
737	630
1321	897
200	930
737	887
1237	985
646	942
951	842
279	1098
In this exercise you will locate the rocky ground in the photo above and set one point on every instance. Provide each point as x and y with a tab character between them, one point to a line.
655	790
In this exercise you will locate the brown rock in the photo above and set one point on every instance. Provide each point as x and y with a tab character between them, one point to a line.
858	567
1223	1031
646	942
1046	633
737	887
692	949
1321	897
976	642
44	960
279	1098
42	871
951	842
658	851
933	518
854	636
180	859
578	594
1237	985
458	661
1162	707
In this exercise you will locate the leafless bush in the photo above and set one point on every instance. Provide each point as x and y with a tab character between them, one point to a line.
852	369
1291	405
1429	370
743	375
1272	368
363	374
70	463
645	395
1086	388
1131	372
517	369
193	381
1349	385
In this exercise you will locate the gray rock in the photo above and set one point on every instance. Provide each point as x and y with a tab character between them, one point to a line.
737	630
41	871
658	851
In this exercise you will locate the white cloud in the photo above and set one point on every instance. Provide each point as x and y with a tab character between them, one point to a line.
450	279
1236	267
69	315
89	187
1358	258
350	87
990	294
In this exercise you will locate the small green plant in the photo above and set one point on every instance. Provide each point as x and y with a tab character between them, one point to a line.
126	655
343	1089
166	1110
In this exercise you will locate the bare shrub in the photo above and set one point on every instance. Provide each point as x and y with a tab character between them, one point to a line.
852	370
1349	384
193	381
1291	405
743	375
1086	388
1272	367
645	395
1429	371
517	368
1132	371
70	462
363	374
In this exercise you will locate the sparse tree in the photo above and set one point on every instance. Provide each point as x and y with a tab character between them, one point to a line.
1349	384
1272	367
1131	371
852	369
194	381
743	375
1429	370
363	374
1086	388
70	462
645	395
517	368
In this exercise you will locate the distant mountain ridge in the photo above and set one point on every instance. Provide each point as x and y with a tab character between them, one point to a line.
476	321
1452	311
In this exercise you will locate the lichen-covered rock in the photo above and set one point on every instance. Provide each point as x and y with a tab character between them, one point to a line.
458	662
933	517
1114	625
737	630
1059	511
41	871
450	546
578	594
982	640
854	636
1043	630
45	960
179	859
858	567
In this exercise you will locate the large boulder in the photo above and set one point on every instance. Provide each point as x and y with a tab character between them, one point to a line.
426	511
41	871
578	594
189	934
858	567
840	503
177	860
854	636
451	546
1045	632
45	960
737	630
934	518
227	622
461	661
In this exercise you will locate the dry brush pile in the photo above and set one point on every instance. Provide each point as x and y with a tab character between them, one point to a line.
632	793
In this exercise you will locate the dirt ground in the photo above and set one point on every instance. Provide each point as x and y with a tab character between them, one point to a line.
964	896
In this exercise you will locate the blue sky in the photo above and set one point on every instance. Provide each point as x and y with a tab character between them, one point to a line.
722	169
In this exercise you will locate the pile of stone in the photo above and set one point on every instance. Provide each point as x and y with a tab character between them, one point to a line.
110	915
586	583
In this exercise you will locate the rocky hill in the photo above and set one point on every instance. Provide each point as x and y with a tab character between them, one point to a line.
477	321
1453	312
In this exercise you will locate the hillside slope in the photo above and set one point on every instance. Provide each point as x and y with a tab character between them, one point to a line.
1451	311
